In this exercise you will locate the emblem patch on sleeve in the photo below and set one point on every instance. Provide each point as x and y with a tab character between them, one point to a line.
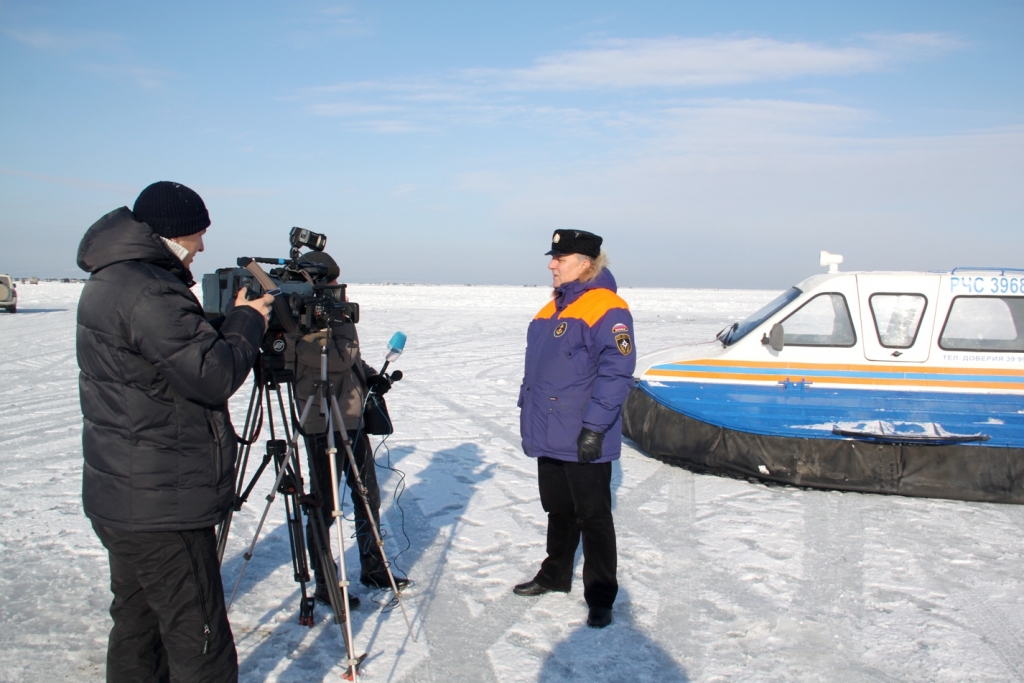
560	330
619	327
623	343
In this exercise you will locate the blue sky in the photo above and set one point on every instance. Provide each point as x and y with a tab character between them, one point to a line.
712	144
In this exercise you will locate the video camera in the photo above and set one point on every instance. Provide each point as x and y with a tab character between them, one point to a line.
304	299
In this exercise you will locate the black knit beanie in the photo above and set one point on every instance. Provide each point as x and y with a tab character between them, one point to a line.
171	209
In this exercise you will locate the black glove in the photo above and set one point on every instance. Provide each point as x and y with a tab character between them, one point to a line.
588	446
378	384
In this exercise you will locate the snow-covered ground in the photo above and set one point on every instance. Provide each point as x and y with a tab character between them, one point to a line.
721	580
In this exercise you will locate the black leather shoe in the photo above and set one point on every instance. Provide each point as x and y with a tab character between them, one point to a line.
321	595
532	588
381	580
599	617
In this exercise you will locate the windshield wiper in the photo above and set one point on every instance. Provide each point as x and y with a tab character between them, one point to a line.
726	333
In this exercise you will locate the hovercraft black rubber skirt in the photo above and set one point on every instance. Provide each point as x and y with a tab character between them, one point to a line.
957	472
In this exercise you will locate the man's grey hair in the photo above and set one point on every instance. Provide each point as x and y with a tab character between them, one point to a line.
597	265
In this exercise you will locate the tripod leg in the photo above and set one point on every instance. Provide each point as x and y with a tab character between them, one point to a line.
337	595
266	510
252	546
320	535
222	535
354	472
328	566
249	432
293	489
323	391
296	538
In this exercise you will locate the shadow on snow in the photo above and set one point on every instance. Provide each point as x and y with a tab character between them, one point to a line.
411	526
620	652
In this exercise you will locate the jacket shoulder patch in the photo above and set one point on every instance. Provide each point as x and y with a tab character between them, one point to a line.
623	344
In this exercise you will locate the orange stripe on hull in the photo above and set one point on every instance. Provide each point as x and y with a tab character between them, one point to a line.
859	381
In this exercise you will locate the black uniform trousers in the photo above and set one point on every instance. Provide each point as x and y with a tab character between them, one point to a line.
370	562
170	622
578	500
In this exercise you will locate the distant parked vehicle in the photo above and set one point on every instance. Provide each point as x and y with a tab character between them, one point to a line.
8	294
33	281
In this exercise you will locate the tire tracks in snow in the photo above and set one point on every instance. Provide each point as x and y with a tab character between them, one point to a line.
677	610
487	424
453	633
833	576
993	630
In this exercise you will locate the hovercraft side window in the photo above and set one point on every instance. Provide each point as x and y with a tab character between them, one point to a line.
737	331
897	318
984	323
823	321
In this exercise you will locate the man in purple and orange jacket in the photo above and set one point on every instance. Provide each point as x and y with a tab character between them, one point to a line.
579	370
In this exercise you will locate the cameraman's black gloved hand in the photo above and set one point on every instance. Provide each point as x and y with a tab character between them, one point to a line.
588	446
379	384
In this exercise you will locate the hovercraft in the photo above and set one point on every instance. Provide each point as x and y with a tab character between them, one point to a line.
904	383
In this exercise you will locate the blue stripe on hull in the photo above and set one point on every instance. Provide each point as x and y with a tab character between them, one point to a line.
789	410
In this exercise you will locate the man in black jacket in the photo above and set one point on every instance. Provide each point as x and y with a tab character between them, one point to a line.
157	439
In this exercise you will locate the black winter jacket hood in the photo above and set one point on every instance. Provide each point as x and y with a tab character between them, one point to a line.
119	237
155	379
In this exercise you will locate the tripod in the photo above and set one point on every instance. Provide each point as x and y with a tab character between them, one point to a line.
271	374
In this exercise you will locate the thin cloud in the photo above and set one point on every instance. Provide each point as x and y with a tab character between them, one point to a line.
392	126
368	117
207	191
701	62
486	182
75	183
914	45
728	120
338	21
404	189
348	109
661	73
716	118
60	40
225	192
98	43
420	90
150	79
854	192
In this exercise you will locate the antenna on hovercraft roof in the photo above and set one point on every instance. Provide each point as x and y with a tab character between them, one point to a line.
831	260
